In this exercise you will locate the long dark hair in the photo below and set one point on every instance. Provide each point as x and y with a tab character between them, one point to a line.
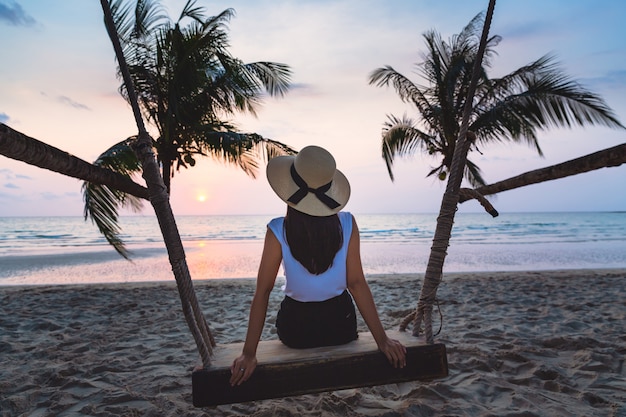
313	241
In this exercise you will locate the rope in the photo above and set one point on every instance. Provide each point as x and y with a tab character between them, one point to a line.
445	220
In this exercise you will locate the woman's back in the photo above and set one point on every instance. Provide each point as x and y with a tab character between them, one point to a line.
301	284
313	240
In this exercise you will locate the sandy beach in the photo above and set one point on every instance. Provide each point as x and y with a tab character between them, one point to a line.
547	343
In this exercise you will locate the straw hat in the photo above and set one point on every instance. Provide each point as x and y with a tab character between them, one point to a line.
309	182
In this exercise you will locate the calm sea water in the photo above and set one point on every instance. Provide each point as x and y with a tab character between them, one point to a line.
56	250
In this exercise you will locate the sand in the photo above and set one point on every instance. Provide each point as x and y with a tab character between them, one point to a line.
546	343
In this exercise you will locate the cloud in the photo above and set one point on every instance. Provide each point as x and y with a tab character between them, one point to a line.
612	79
72	103
65	100
4	117
11	185
300	86
527	30
10	175
56	196
303	90
7	196
14	15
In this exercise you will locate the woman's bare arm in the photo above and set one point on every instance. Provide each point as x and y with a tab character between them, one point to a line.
360	290
268	269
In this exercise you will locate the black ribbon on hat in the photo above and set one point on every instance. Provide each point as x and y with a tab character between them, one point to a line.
304	189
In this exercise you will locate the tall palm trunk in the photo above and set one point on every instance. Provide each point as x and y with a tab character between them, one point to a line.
159	199
610	157
18	146
443	231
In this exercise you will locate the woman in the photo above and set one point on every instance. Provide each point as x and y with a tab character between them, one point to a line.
319	247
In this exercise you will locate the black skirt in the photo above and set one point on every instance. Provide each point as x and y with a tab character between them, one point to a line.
320	323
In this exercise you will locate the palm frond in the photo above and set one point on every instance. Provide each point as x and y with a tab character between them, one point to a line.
102	203
467	41
473	174
409	92
192	11
386	76
400	138
245	150
149	17
219	21
274	77
235	88
101	207
121	13
535	97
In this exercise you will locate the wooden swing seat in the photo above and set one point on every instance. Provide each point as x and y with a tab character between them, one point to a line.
283	372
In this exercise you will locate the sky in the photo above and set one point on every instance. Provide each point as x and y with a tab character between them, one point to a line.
58	84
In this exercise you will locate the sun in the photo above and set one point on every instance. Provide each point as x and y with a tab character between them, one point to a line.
201	198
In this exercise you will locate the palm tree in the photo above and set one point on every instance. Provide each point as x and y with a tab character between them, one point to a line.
511	108
188	85
159	198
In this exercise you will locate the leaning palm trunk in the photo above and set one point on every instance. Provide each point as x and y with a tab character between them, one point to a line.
18	146
443	231
611	157
159	198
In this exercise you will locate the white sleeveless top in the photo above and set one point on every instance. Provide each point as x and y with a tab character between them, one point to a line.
300	284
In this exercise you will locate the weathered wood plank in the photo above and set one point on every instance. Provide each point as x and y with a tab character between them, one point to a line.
285	372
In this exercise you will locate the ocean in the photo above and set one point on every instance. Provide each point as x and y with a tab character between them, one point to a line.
69	250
